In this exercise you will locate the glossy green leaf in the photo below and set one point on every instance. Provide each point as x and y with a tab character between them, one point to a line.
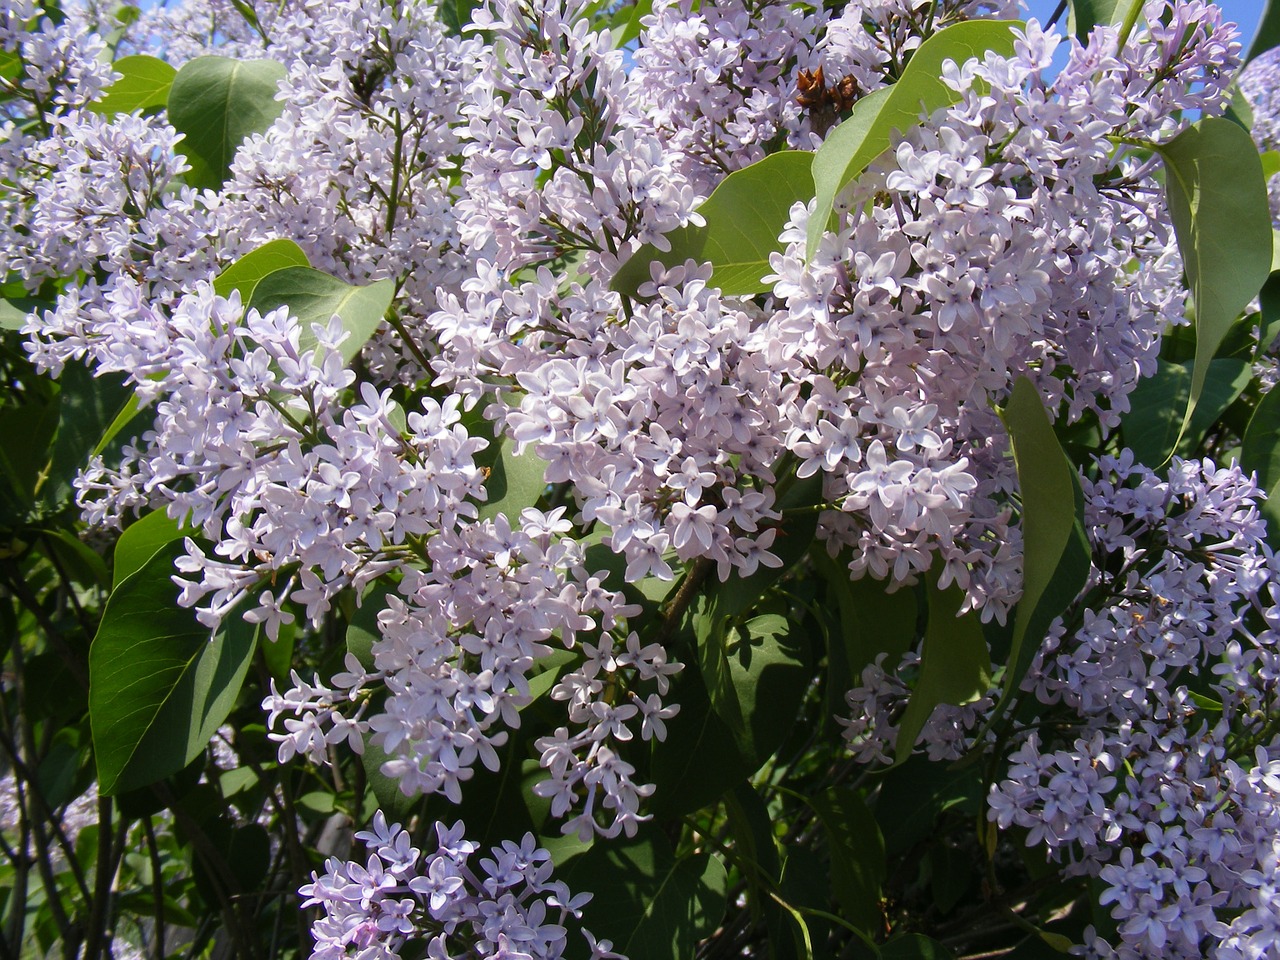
514	482
247	272
80	562
144	84
1268	35
1157	404
1087	14
1260	453
647	902
216	103
89	405
744	216
141	541
703	756
955	664
1055	549
626	25
15	310
868	132
739	594
315	297
131	407
1218	202
914	946
159	687
1270	167
362	629
872	620
858	868
390	798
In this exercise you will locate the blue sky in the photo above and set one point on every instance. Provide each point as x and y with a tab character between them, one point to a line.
1244	12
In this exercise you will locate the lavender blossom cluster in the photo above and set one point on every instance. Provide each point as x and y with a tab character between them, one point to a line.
501	179
505	906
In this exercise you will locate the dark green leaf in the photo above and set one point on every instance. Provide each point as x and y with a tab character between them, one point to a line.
868	132
1157	405
1054	547
314	297
1218	202
1087	14
737	595
362	629
514	482
872	620
744	216
159	687
702	756
216	103
647	902
626	24
81	563
89	405
913	946
143	540
247	272
1260	453
954	668
1268	35
144	83
391	800
128	411
857	855
950	875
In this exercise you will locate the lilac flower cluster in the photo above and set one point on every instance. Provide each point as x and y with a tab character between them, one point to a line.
501	179
506	905
1163	779
1156	764
1260	84
993	242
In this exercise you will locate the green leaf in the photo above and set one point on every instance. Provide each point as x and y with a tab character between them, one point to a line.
913	946
1218	202
362	628
1270	167
159	687
738	594
216	103
143	540
15	310
868	132
744	216
82	564
391	799
247	272
626	24
131	407
954	664
144	83
456	14
1260	453
857	855
514	482
1087	14
872	620
314	297
647	902
1268	35
1055	550
703	756
1157	403
89	405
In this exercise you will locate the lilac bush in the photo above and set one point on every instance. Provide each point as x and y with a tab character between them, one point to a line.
797	476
